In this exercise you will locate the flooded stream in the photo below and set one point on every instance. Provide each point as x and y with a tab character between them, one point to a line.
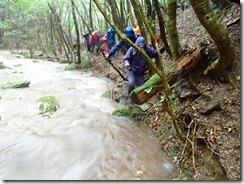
81	140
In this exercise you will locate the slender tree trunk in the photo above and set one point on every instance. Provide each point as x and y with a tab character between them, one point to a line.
60	31
77	34
172	29
132	18
116	15
162	26
220	36
90	14
139	18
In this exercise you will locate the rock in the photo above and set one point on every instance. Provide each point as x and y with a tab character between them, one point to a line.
143	107
210	107
130	111
49	105
2	66
22	84
70	67
106	94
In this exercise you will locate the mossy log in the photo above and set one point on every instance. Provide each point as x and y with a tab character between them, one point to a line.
183	66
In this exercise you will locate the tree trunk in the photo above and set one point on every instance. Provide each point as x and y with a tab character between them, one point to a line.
172	29
162	26
220	36
129	10
60	31
139	18
77	34
115	14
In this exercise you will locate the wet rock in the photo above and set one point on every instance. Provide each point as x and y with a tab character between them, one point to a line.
106	94
2	66
49	105
130	111
70	67
21	84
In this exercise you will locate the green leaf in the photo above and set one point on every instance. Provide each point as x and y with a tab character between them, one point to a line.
174	90
162	98
173	103
148	90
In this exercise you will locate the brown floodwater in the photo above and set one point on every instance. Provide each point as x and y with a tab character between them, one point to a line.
81	140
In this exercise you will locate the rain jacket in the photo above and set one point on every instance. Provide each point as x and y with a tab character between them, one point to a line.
111	37
138	63
121	43
94	38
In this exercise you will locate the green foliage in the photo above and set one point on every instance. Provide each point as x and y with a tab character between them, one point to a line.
4	25
173	102
171	151
162	98
151	23
148	90
13	33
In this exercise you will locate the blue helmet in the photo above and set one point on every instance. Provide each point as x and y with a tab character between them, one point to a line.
129	32
111	29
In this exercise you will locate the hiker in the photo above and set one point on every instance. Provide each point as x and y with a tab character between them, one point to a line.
95	40
108	40
137	64
129	32
111	37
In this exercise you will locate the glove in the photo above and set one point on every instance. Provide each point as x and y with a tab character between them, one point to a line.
127	65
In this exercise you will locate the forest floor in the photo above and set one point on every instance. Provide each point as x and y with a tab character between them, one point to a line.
210	119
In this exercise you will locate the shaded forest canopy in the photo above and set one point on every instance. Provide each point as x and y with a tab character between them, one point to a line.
195	114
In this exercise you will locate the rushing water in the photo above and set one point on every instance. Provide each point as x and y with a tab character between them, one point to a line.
81	140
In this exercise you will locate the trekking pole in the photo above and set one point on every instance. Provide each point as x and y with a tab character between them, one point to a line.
109	61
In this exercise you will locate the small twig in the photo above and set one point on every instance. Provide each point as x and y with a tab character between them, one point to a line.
211	149
187	138
193	148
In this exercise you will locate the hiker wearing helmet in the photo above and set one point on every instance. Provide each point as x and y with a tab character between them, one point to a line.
111	37
129	32
137	64
109	40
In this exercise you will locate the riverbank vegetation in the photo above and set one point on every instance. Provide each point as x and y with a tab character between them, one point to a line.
193	103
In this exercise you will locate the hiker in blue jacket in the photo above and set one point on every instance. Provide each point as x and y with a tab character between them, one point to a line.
111	37
129	32
137	64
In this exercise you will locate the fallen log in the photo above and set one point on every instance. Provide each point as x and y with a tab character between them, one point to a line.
183	66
